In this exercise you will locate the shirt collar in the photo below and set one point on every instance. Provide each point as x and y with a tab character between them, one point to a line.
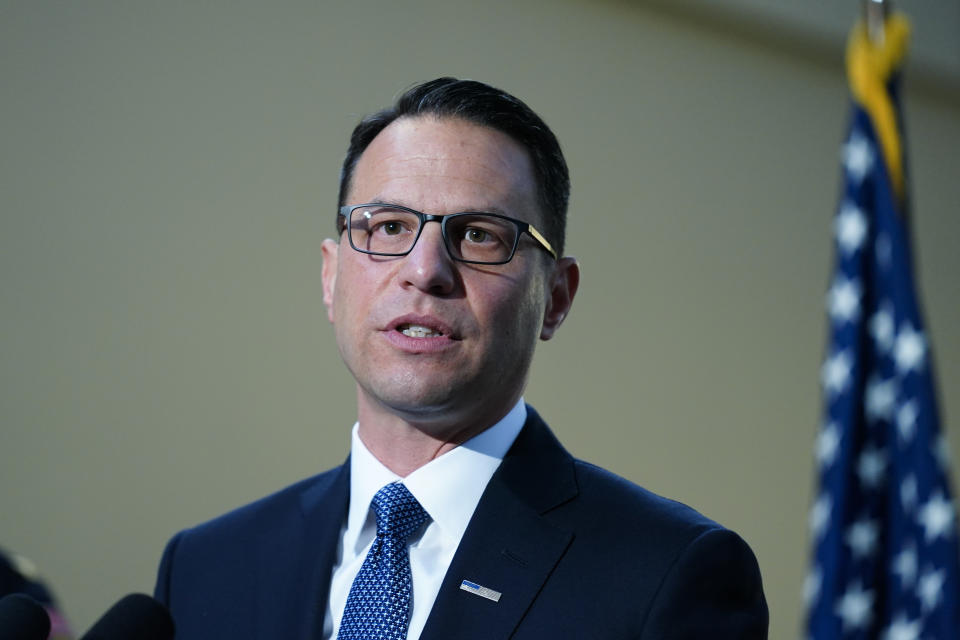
448	487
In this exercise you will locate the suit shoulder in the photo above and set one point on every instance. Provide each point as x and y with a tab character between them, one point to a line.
219	576
258	532
658	562
277	507
635	508
690	563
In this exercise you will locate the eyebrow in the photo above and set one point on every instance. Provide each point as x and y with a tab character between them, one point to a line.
488	209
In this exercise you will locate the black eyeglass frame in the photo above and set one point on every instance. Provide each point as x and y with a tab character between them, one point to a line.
346	210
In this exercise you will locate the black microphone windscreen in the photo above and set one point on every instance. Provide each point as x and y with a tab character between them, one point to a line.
136	616
23	618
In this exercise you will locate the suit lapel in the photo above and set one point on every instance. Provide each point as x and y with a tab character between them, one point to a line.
509	546
323	508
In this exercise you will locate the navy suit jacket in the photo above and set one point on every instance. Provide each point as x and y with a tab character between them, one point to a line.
576	552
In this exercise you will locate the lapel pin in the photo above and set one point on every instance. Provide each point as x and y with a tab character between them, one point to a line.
477	590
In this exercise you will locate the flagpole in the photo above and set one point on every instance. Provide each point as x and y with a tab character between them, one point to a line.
874	16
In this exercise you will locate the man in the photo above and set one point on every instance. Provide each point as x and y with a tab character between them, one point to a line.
458	514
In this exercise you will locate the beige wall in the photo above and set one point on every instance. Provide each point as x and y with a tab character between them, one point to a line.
167	172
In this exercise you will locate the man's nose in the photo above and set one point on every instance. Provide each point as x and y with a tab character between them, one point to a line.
428	266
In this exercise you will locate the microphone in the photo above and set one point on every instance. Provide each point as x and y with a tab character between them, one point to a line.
23	618
135	617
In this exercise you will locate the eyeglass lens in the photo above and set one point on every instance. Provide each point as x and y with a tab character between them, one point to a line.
474	237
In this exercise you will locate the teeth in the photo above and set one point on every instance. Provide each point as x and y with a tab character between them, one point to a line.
416	331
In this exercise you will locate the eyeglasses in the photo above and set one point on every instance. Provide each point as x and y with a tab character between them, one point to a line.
477	238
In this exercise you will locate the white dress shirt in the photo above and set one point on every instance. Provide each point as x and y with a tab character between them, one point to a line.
448	488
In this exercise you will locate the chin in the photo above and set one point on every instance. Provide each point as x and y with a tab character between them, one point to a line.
416	408
428	404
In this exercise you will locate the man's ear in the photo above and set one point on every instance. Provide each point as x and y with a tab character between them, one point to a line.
563	287
330	249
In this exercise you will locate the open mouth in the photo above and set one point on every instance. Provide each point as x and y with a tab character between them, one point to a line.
418	331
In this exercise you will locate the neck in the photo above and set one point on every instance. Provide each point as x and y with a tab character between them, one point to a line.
404	443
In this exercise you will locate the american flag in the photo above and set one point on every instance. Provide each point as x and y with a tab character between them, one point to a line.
883	525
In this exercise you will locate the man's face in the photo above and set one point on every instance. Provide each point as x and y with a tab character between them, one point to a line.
482	321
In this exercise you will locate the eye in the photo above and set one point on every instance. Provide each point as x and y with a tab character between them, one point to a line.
389	224
474	234
391	228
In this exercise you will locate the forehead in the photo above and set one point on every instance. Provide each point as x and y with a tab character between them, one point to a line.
443	165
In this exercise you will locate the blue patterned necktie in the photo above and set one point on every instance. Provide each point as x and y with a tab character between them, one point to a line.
378	607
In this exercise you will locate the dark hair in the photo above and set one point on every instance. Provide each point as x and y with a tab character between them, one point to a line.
484	105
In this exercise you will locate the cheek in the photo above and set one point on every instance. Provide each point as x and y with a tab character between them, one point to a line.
345	309
351	279
517	313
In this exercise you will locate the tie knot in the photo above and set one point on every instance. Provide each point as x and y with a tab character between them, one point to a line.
398	512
